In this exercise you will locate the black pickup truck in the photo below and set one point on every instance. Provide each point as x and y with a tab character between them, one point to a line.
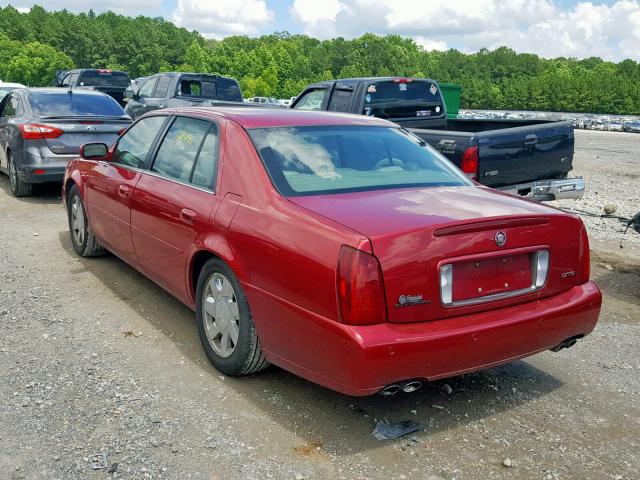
173	90
526	157
111	82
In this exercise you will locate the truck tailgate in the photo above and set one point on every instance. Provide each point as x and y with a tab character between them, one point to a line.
523	153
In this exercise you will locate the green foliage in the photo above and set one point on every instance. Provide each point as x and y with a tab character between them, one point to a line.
34	44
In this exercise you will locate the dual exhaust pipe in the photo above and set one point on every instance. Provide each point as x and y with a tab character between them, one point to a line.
568	343
414	385
406	387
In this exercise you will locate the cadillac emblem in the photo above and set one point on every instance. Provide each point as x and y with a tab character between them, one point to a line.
500	238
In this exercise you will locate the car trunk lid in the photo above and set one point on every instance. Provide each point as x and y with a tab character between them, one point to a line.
78	131
419	234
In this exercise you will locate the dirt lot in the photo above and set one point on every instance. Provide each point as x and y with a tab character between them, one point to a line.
94	358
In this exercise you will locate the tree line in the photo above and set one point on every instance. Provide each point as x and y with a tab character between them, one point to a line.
35	44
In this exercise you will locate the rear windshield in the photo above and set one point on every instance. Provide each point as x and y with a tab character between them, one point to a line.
66	104
103	78
323	160
213	89
395	99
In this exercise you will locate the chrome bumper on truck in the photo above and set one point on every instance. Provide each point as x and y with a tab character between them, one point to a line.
545	190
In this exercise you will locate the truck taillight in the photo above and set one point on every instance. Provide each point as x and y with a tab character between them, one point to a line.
469	163
36	131
403	80
360	288
584	258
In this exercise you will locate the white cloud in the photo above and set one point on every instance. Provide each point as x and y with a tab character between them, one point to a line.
123	7
219	18
611	31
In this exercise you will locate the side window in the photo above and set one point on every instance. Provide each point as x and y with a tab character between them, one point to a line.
67	80
11	107
162	88
340	100
180	147
312	100
134	145
207	162
146	90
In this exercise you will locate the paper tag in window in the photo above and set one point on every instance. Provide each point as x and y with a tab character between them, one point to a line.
403	87
433	89
371	89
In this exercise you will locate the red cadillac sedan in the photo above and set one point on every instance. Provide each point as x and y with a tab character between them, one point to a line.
341	248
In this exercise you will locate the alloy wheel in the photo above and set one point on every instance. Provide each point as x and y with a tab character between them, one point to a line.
221	315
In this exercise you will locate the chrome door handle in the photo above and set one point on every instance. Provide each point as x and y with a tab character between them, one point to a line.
123	191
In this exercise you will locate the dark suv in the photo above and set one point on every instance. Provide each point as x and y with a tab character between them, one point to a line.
173	90
111	82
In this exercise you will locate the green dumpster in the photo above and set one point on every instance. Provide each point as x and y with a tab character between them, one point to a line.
451	94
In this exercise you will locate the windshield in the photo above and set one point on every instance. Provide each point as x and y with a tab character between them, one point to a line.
410	98
66	104
103	78
324	160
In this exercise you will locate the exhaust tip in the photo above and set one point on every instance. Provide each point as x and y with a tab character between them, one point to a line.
411	386
390	390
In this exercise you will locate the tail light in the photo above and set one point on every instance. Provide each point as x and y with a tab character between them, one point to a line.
36	131
360	288
584	258
121	131
469	163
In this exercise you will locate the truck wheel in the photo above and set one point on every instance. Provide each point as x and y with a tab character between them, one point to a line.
18	187
83	241
225	326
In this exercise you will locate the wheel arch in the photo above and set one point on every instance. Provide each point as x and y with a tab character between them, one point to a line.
212	247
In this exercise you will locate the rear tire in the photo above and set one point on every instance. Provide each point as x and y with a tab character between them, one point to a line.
225	326
82	239
18	187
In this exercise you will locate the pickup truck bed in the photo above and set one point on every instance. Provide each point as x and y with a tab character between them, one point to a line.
525	157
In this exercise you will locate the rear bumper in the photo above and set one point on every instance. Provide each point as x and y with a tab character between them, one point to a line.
544	190
41	159
362	360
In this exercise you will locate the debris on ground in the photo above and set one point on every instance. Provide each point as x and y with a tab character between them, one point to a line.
98	461
389	431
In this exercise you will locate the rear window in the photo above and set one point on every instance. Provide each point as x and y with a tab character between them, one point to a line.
395	99
103	78
73	104
213	89
324	160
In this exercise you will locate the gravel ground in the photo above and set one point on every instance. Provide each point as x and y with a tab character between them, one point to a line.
95	359
610	164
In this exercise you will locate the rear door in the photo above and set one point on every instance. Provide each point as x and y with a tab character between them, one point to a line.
111	184
173	201
142	104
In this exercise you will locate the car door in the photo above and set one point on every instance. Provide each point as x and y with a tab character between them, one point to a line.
8	110
173	201
158	99
138	105
110	186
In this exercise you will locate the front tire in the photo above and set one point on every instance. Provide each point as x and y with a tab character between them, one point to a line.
82	239
225	326
18	187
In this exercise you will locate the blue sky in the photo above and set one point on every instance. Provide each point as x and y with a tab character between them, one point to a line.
550	28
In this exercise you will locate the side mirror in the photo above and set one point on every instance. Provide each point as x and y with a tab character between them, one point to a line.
94	151
129	93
